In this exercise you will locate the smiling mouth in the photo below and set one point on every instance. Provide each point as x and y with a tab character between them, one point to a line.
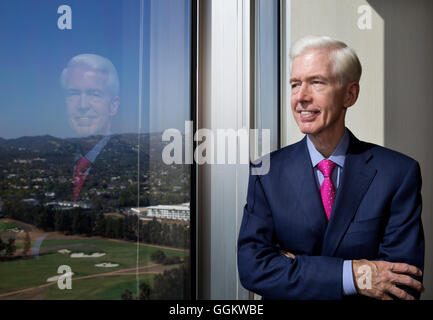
309	112
85	121
308	115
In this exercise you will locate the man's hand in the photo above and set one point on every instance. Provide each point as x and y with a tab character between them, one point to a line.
378	279
288	254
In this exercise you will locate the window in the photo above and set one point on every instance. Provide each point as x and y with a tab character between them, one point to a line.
267	69
88	90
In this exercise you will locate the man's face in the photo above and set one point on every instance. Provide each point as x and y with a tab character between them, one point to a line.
89	103
317	96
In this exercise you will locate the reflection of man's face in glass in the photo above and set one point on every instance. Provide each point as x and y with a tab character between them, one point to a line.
89	103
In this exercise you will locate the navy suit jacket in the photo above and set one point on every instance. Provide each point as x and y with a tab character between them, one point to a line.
376	216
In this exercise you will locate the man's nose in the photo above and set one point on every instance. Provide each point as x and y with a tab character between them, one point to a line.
83	104
304	93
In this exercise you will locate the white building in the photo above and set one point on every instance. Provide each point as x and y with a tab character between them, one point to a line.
174	212
67	205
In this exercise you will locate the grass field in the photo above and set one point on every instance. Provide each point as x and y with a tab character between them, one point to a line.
98	288
25	273
7	226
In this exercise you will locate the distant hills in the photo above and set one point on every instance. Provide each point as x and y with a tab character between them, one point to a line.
42	143
48	145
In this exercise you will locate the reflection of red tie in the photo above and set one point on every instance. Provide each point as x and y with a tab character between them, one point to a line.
327	190
80	176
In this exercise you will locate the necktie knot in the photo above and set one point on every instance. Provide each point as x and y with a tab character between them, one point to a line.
326	166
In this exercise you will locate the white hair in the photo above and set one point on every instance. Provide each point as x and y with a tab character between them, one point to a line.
96	63
346	65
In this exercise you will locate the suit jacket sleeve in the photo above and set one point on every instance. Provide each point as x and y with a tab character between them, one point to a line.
264	270
403	239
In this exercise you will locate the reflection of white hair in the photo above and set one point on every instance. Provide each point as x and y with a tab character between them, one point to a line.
346	64
96	63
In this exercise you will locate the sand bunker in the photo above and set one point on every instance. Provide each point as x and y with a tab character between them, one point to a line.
107	265
82	255
56	278
64	251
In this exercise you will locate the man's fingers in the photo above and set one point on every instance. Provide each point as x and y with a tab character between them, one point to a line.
385	297
399	293
288	254
408	281
405	268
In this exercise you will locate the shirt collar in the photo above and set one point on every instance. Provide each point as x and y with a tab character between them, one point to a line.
94	152
338	156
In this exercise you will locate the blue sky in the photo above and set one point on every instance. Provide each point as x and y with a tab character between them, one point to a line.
34	51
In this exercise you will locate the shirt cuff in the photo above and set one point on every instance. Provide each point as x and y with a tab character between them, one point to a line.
348	284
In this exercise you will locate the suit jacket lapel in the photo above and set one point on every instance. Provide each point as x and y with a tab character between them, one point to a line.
300	171
356	179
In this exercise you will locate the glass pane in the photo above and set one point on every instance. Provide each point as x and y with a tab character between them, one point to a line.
267	64
88	209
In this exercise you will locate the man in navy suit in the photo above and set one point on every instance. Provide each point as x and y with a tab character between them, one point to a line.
91	86
334	216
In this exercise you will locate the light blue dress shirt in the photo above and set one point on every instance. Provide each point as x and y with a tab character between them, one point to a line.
338	156
92	154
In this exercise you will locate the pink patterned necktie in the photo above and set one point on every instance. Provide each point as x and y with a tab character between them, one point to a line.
327	190
80	176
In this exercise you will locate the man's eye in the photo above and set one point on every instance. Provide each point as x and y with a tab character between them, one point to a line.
95	94
317	82
73	93
294	85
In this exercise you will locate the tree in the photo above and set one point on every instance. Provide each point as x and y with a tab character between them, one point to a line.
127	295
171	285
2	246
68	217
7	250
158	256
129	225
99	225
165	234
81	223
27	244
172	260
118	228
109	232
50	217
187	279
75	228
85	224
59	221
145	291
154	231
10	248
41	220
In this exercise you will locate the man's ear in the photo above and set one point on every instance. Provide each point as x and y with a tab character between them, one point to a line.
351	94
114	105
